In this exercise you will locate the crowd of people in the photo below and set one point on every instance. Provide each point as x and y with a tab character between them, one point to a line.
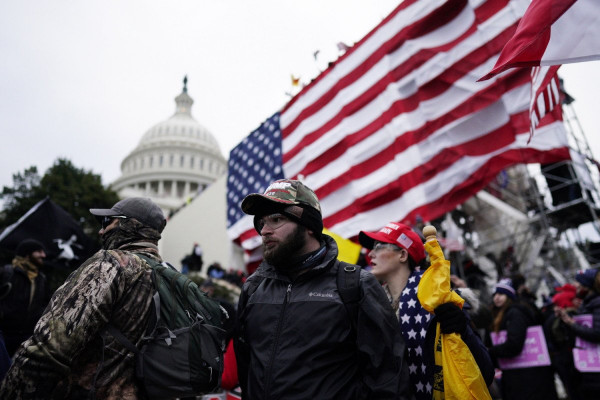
306	326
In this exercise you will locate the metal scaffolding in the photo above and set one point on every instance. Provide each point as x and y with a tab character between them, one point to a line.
536	219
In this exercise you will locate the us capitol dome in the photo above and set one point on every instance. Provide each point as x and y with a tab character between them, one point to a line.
174	161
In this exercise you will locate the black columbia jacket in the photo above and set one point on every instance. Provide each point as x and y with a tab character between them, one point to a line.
297	340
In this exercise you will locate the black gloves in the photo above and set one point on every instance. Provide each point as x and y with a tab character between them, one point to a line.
451	318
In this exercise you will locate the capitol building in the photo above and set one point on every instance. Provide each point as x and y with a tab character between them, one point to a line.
175	160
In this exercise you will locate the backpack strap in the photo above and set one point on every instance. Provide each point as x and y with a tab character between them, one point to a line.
119	337
110	328
154	263
348	282
154	319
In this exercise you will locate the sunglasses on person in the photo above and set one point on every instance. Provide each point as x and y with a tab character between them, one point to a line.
106	221
273	221
381	245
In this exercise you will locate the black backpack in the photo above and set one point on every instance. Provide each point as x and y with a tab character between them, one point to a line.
181	353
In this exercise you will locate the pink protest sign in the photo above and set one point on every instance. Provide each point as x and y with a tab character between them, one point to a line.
534	353
586	355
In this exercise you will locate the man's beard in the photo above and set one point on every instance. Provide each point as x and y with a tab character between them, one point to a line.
283	251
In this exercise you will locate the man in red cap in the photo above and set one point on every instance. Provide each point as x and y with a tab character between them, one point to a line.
397	254
297	338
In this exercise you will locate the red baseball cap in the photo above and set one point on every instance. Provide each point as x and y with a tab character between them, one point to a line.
398	234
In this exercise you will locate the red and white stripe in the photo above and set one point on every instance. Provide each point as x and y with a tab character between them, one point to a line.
399	126
545	94
553	32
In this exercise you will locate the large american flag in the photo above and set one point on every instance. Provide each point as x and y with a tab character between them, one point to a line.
399	127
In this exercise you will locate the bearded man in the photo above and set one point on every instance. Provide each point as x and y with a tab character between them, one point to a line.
23	293
296	338
69	356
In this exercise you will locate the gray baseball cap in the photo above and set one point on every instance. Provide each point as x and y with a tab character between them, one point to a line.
140	208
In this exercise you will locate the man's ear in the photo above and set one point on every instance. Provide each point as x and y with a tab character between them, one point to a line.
311	236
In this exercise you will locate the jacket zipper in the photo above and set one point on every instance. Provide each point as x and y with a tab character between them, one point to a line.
276	341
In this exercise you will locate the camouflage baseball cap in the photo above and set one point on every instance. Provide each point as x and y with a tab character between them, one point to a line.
281	192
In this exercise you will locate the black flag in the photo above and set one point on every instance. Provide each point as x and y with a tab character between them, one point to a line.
67	246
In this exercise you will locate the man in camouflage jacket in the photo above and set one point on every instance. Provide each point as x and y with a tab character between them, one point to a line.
68	356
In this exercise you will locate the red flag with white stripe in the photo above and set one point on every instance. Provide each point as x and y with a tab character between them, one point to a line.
398	127
545	95
553	32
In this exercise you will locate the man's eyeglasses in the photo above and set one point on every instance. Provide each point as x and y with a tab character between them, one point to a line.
380	246
273	221
106	221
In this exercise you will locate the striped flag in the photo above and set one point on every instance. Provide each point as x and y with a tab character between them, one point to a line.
253	165
551	33
398	127
545	95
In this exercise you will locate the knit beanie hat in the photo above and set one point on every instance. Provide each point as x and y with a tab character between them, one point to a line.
564	296
586	277
505	286
28	246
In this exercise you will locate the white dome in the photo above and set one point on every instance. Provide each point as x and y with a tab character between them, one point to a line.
174	160
181	127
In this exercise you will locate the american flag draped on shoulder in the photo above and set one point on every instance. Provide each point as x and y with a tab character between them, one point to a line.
398	127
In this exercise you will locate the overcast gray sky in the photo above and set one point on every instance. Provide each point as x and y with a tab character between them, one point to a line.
85	79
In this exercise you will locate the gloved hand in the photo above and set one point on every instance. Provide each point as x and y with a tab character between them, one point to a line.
451	318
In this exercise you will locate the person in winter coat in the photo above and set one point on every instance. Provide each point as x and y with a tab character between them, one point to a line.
193	261
589	383
296	338
396	253
560	339
68	357
23	294
530	383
